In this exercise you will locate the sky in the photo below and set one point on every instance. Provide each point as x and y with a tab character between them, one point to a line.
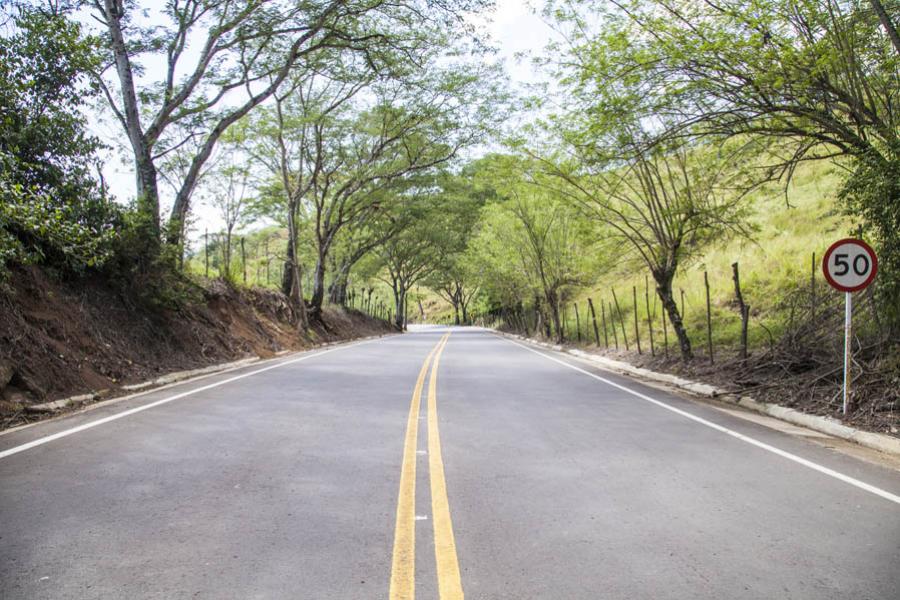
514	28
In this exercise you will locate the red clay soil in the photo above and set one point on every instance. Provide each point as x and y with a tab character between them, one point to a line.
63	338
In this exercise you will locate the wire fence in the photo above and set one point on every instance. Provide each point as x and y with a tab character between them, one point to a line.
375	306
721	327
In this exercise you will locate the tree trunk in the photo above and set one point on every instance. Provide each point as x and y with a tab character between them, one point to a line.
742	307
291	283
145	171
664	291
337	291
398	304
405	303
554	314
539	325
287	274
886	22
296	296
463	304
318	293
400	319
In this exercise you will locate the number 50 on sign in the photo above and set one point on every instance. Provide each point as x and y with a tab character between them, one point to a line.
849	266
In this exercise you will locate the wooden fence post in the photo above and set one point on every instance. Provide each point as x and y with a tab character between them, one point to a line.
594	319
612	318
577	322
708	318
637	331
812	287
621	320
605	334
649	319
665	333
744	308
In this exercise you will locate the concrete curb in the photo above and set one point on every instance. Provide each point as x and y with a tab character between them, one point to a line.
827	425
171	378
181	375
167	379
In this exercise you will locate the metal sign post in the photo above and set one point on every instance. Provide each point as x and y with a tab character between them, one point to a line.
848	319
849	266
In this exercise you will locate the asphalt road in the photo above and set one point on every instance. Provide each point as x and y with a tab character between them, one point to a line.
354	473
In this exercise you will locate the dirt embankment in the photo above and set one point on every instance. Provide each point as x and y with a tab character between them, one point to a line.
64	338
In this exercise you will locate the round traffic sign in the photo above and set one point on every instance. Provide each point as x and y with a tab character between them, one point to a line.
849	265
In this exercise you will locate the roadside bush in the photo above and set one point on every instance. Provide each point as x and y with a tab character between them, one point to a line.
52	210
873	192
35	228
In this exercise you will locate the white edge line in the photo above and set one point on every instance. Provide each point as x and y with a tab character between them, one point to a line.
67	432
744	438
100	404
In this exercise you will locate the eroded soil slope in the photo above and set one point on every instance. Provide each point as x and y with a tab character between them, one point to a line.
62	338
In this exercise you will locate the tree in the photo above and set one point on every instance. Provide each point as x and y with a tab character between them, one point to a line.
456	283
408	131
242	53
228	193
356	241
819	77
531	243
342	144
51	208
496	263
436	229
456	278
663	204
281	138
549	250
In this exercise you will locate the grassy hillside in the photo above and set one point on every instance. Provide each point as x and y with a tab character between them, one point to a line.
773	263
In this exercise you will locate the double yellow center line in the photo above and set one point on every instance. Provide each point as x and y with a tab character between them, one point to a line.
403	564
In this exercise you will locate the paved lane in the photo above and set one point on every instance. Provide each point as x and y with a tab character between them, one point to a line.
565	487
279	485
287	484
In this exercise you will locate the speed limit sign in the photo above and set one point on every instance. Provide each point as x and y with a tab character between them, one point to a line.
849	265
